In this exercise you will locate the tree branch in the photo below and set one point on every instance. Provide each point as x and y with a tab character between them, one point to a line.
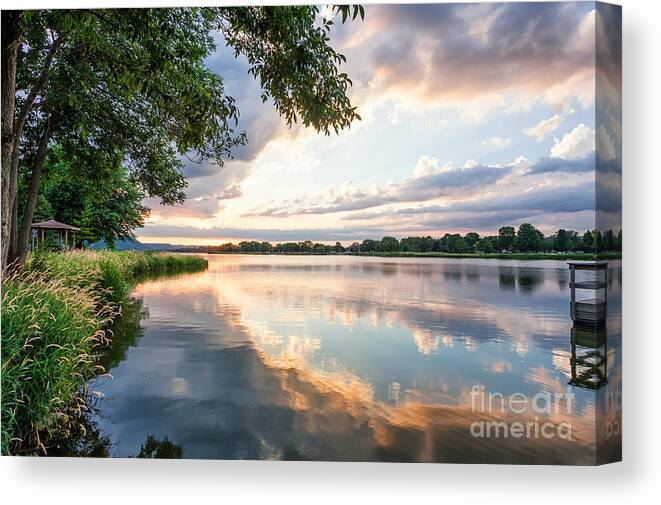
37	87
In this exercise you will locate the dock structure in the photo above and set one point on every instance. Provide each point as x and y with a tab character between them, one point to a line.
590	279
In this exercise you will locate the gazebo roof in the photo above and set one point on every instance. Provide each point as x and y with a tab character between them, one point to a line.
51	224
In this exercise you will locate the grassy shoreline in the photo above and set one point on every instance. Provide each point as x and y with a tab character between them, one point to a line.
55	317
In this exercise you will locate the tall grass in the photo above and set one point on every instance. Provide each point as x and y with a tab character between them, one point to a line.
54	320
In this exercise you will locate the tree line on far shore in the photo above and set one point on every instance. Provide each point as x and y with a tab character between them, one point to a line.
527	239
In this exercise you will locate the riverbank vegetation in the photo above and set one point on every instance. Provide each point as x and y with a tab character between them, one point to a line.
525	243
55	317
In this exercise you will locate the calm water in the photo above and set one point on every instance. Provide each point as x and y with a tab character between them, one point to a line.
350	358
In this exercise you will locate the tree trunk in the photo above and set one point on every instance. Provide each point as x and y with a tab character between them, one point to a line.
33	193
11	41
13	232
18	245
13	199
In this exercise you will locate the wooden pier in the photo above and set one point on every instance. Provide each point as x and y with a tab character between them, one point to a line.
591	309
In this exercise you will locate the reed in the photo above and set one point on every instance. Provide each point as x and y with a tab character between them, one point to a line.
54	325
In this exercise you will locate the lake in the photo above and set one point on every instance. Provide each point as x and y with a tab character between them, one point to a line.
350	358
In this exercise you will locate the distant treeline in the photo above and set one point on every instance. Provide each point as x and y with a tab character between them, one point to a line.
527	239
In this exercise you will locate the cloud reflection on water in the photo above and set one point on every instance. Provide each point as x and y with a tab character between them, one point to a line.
353	360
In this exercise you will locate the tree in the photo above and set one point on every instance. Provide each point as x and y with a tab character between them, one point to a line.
506	238
588	242
11	43
471	240
460	245
389	244
597	241
131	85
426	244
529	238
573	240
618	241
608	241
449	242
369	245
485	245
561	242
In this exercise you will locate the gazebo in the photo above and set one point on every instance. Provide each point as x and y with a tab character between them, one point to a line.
51	224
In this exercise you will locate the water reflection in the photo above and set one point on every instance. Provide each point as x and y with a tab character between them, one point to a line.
589	356
154	448
346	359
125	332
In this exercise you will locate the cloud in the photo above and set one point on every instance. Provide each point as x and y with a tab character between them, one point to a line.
206	190
476	221
544	127
427	182
608	35
200	207
458	54
576	144
543	199
609	195
270	234
194	168
574	198
550	165
497	142
233	191
605	146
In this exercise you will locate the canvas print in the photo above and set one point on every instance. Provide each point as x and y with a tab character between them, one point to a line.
386	233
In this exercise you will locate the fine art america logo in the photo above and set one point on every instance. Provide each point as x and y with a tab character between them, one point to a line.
533	414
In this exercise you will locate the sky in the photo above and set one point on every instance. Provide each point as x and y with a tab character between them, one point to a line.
474	116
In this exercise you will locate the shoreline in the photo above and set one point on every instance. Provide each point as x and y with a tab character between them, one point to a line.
411	254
